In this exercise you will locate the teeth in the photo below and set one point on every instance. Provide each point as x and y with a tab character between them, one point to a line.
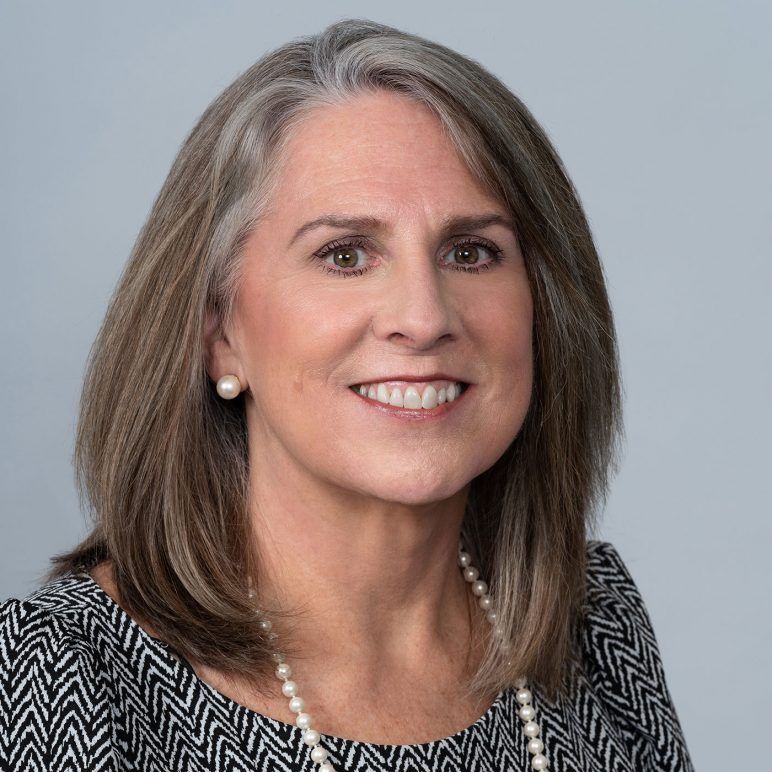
412	397
396	398
383	394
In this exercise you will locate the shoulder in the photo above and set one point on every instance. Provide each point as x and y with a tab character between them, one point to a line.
45	616
617	622
623	663
52	686
49	619
609	581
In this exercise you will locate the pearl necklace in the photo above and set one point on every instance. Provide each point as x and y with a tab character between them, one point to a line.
311	737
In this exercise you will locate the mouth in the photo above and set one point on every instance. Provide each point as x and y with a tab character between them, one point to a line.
418	398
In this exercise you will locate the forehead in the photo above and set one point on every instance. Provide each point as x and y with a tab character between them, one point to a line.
380	150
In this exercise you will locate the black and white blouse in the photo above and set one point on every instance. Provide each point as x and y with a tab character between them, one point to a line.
84	687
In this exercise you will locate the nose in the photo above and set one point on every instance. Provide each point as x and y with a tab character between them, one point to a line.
416	308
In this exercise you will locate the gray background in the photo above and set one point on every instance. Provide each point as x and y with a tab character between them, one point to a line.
663	115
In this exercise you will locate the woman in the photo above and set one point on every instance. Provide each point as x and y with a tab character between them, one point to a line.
344	430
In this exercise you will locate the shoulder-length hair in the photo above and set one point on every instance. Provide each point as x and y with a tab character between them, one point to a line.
162	460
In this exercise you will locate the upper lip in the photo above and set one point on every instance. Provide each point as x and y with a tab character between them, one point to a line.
414	378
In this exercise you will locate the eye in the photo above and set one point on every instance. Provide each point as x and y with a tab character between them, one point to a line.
344	257
467	253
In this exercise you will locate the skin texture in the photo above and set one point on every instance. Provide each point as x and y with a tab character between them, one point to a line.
357	513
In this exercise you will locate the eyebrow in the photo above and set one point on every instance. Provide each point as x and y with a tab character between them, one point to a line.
449	224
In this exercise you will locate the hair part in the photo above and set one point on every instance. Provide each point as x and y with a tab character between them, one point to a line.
165	479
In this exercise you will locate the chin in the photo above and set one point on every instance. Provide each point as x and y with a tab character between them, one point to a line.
411	490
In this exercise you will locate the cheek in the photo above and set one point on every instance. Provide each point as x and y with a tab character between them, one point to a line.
504	333
503	327
269	332
294	341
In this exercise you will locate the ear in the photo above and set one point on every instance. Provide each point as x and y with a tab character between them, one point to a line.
220	357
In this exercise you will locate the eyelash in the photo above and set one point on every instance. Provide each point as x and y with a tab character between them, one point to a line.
322	253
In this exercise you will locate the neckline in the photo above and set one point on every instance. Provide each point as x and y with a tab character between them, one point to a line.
230	705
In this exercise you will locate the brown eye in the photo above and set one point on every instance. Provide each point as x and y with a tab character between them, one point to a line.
345	257
467	254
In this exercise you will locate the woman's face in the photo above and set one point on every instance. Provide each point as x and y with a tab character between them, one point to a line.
403	292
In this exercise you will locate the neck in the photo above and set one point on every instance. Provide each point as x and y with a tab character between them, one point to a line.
377	583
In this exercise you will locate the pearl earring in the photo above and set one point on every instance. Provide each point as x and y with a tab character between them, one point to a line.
229	387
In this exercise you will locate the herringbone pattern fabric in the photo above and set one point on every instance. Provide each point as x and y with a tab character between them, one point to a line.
83	687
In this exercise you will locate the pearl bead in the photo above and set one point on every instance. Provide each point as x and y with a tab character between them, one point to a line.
539	762
265	624
485	602
479	588
311	736
471	573
524	696
531	729
319	754
526	712
326	767
303	720
464	559
521	683
297	704
283	670
228	387
492	617
289	688
535	746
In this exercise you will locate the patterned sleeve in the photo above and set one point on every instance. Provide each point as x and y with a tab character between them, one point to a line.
625	667
54	713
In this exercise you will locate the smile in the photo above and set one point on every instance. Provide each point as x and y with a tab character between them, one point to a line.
405	397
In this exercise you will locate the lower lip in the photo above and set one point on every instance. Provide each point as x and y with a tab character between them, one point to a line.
413	414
